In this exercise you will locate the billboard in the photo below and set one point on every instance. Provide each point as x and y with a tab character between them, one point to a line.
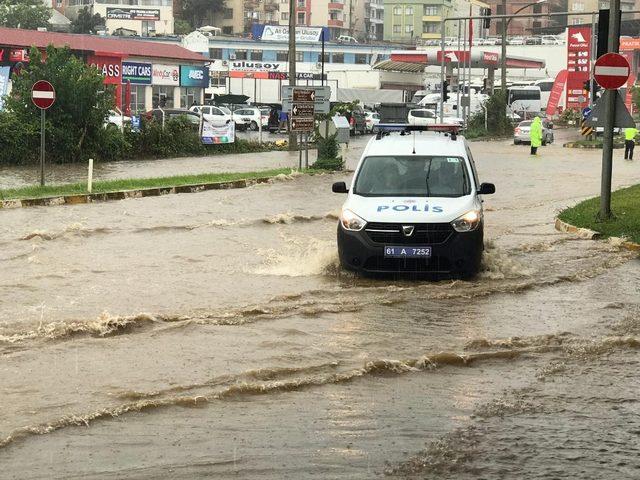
215	135
276	33
110	67
136	73
165	75
578	66
132	14
194	76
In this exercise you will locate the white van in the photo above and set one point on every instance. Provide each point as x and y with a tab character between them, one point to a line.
545	91
524	101
414	206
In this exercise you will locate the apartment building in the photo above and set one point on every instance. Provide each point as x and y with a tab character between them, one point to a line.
411	21
532	25
587	6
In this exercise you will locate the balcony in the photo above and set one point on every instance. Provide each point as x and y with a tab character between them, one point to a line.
336	6
335	23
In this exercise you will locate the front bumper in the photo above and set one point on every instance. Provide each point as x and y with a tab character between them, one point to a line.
458	255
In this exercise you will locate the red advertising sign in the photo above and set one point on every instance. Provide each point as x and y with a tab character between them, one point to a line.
454	56
110	67
629	44
578	66
556	92
490	58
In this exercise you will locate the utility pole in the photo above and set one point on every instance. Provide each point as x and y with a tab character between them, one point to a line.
503	54
293	144
609	98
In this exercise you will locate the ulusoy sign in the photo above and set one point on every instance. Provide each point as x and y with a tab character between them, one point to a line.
578	65
275	33
136	73
132	14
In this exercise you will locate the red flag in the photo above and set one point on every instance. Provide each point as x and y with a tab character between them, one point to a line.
556	92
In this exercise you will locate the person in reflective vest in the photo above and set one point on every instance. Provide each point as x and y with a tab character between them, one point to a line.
535	134
630	135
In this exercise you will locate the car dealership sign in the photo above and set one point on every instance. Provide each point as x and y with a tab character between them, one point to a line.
165	75
132	14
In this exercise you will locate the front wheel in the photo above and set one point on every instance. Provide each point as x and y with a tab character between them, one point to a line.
516	142
253	126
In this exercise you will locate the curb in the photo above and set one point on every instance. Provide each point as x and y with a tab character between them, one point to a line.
124	194
588	147
593	235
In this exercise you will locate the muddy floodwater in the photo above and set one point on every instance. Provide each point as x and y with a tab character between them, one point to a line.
213	335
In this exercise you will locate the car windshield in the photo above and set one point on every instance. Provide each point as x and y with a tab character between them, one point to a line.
412	176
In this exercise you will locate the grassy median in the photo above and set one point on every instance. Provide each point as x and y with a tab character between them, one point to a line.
134	184
625	205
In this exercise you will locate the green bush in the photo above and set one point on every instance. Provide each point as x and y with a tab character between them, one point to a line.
328	158
569	117
497	122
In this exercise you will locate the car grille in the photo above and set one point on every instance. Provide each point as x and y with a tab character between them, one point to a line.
408	265
423	234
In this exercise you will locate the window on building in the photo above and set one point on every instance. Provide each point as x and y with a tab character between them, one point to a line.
282	56
408	29
397	29
301	4
162	96
301	18
337	58
256	54
326	58
361	59
499	10
227	30
577	7
397	10
190	96
536	26
217	80
408	10
284	15
430	27
137	98
227	13
537	8
215	53
241	55
431	10
299	56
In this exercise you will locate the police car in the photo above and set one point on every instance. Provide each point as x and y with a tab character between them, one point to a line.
414	206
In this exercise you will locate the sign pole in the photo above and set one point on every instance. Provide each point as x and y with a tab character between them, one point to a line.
609	98
42	119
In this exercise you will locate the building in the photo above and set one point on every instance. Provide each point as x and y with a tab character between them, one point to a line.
374	20
588	6
532	25
474	8
155	18
155	73
412	21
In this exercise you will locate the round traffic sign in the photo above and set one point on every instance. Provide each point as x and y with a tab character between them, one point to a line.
43	95
611	71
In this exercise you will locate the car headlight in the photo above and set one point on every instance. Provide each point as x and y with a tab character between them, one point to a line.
467	222
352	222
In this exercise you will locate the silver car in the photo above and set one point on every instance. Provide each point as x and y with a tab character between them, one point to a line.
521	132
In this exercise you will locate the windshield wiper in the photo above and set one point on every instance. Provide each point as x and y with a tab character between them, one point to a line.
427	179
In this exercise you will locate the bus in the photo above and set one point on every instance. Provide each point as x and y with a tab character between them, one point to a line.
524	101
545	90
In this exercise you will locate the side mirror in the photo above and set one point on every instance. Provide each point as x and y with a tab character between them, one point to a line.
339	187
486	189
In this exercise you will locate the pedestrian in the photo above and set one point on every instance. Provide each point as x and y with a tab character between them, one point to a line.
535	135
282	120
630	135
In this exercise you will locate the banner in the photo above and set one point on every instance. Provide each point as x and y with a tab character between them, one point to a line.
216	135
165	75
132	14
4	84
194	76
578	66
275	33
556	93
136	73
110	67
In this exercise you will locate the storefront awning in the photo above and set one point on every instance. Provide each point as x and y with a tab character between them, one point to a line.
393	66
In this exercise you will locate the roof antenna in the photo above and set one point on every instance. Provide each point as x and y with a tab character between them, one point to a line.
414	142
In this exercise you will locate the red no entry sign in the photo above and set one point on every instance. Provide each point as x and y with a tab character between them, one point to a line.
43	95
611	71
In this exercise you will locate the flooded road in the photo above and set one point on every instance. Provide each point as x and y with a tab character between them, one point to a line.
213	335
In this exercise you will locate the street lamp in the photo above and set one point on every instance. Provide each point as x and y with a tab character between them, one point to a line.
505	25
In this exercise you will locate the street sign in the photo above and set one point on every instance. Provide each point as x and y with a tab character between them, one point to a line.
304	95
611	71
43	95
586	111
623	117
585	129
302	124
299	109
321	100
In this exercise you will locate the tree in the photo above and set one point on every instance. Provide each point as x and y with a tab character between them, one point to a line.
85	22
28	14
197	11
75	123
181	27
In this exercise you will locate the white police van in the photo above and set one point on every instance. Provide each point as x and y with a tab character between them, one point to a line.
414	205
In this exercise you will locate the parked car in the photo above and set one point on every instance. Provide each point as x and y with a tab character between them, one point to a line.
124	32
248	118
346	39
212	114
550	40
371	119
116	119
515	41
169	113
424	116
533	41
521	132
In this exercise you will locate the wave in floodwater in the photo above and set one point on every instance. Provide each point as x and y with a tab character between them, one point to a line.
291	218
72	230
300	257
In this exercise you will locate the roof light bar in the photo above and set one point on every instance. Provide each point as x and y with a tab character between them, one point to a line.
405	127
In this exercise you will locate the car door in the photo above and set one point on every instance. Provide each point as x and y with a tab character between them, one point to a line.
218	118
